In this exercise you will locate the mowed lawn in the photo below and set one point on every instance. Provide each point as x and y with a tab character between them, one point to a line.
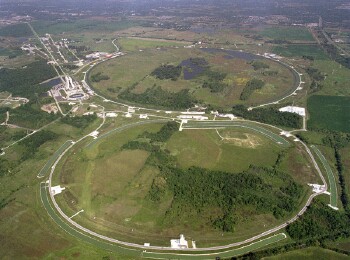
309	253
329	112
287	33
135	44
300	50
204	148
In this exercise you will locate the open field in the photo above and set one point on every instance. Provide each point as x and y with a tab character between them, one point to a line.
287	34
204	148
128	252
112	188
309	253
78	26
329	112
137	44
336	82
300	50
132	72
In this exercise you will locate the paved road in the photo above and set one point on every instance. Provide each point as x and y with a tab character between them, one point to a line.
330	175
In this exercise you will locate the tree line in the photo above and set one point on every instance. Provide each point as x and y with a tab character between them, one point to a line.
269	116
199	189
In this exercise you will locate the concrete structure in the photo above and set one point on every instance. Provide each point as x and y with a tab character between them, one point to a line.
293	109
193	117
230	116
179	243
57	189
111	114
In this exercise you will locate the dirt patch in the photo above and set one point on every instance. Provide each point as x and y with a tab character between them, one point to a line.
50	108
244	140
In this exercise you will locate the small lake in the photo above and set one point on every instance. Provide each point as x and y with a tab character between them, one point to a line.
52	82
191	69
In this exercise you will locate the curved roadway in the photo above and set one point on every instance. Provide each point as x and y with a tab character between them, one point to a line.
215	248
133	245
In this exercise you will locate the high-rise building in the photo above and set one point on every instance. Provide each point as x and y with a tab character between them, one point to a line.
320	22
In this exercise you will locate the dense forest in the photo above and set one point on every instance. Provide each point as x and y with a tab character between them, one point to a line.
98	77
250	87
257	65
215	81
31	145
269	116
24	81
80	122
200	189
30	116
156	95
167	72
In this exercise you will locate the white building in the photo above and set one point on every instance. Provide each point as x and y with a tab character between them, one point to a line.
293	109
179	243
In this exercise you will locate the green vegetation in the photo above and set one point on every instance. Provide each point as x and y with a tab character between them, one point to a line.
318	221
30	115
269	116
250	87
10	52
81	25
80	122
163	98
215	81
258	65
309	253
337	141
24	81
31	145
203	73
98	77
135	44
310	52
196	190
287	33
167	72
16	30
329	112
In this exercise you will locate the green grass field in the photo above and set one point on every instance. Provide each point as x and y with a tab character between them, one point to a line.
78	26
203	148
134	69
329	112
111	185
300	50
287	34
126	252
135	44
309	253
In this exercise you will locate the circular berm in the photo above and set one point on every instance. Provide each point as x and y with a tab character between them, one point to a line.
151	182
178	78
